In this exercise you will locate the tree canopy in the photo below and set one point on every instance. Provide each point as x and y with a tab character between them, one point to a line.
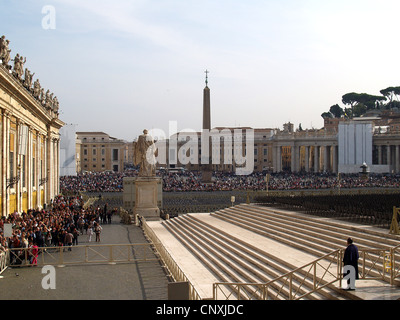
359	103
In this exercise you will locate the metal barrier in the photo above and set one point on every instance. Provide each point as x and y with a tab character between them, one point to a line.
177	274
394	264
318	274
3	261
86	254
294	285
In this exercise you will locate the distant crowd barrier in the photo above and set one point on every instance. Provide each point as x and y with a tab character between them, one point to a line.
368	206
82	254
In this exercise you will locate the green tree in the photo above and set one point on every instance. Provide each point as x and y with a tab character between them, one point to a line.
348	113
391	92
359	109
327	115
368	100
336	110
350	99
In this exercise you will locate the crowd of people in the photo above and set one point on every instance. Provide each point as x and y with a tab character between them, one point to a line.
64	220
60	224
191	181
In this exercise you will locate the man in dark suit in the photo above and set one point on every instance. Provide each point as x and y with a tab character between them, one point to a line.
350	258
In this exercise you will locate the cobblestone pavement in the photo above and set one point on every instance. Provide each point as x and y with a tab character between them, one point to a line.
124	281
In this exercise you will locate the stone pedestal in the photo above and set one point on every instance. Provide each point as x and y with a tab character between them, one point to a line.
147	197
206	176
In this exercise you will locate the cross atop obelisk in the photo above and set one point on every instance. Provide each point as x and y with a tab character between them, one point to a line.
206	72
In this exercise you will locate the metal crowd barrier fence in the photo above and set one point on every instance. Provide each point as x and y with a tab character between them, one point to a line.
323	192
82	254
3	261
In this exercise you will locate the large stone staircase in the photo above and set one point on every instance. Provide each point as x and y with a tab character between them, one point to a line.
254	244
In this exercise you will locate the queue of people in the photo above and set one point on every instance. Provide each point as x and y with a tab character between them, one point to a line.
61	224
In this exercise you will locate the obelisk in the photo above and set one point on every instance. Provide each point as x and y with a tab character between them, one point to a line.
206	105
206	168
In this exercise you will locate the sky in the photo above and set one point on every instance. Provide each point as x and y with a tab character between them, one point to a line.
122	66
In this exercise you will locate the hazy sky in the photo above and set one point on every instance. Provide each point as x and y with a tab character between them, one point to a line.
122	66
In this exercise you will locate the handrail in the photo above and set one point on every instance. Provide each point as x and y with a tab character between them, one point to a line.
394	267
316	275
294	284
173	267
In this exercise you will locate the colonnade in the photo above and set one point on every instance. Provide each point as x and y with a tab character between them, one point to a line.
306	158
30	143
30	165
388	154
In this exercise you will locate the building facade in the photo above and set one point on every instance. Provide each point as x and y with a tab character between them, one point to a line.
29	127
99	152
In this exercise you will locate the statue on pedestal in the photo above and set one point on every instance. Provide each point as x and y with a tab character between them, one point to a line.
5	51
28	79
145	153
19	62
36	89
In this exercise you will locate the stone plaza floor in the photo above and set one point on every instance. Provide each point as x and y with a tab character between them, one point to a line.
121	281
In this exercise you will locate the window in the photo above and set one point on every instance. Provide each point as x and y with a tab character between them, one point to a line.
115	156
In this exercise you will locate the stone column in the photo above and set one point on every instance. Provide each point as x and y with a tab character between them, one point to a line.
397	169
307	159
326	158
297	165
334	159
316	159
5	130
278	159
379	155
293	159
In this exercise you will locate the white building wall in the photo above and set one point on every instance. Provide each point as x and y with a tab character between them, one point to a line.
355	147
68	150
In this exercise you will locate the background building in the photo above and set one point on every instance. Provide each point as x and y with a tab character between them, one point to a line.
100	152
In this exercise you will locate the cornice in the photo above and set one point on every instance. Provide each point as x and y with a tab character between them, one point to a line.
19	93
